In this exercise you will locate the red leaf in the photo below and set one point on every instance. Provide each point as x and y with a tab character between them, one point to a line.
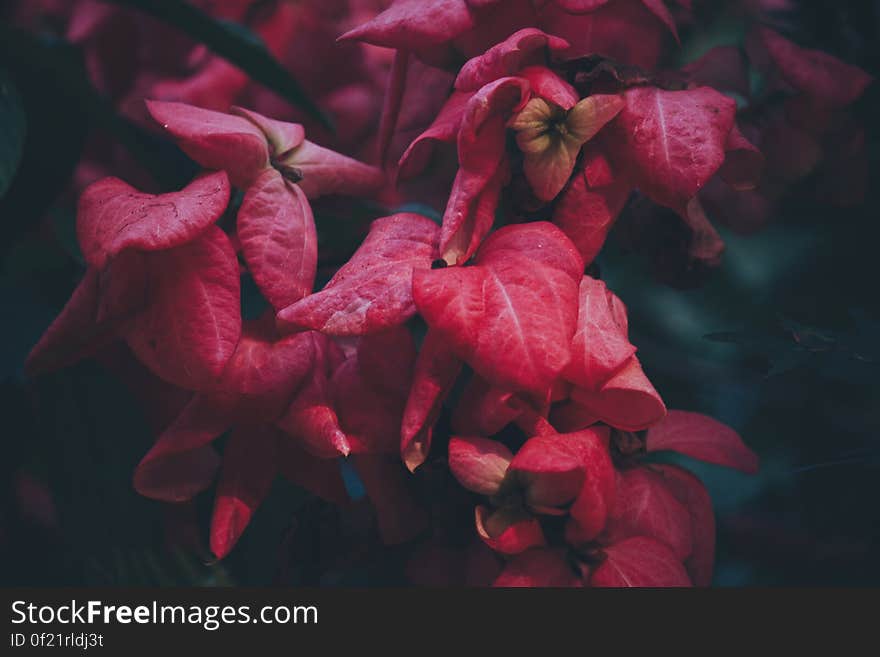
479	464
672	142
600	347
523	48
826	79
546	84
483	409
193	323
113	216
597	496
539	567
215	140
182	463
481	150
265	371
370	389
373	290
693	495
311	418
551	470
703	438
623	30
278	239
327	172
96	312
723	67
415	24
281	135
513	314
444	129
640	562
586	211
743	164
249	466
626	401
435	372
644	506
508	532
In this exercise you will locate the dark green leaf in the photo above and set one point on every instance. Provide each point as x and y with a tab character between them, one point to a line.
232	42
12	131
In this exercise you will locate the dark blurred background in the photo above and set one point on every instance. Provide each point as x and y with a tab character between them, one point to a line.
781	343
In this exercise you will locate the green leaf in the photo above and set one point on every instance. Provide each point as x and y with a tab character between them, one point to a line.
12	131
234	43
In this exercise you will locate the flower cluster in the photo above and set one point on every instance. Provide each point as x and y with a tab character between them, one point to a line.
556	113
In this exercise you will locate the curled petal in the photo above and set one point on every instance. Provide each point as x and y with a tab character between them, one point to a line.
550	468
282	136
112	216
436	370
523	48
215	140
626	401
311	417
482	167
444	129
508	532
479	464
600	347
